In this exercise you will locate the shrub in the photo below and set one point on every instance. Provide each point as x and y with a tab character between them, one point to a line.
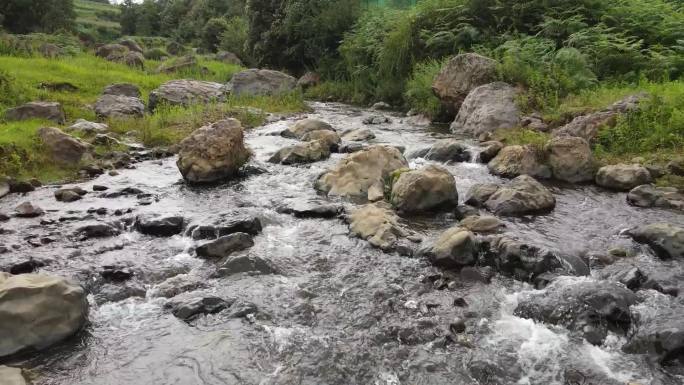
419	96
234	38
155	54
210	39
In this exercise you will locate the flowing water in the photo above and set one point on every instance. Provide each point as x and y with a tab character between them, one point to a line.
338	311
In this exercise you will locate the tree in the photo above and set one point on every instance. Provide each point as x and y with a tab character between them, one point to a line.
26	16
212	32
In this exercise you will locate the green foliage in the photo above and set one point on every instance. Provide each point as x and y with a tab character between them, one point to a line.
212	33
155	53
234	37
523	137
341	91
25	16
419	96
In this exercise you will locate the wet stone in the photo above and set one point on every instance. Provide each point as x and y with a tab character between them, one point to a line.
69	194
28	210
159	226
25	267
115	292
100	188
20	187
312	210
224	246
97	230
116	273
240	224
242	308
247	264
190	309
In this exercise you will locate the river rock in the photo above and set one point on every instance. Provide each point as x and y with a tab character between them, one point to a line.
64	148
660	332
428	188
455	248
190	309
517	160
69	194
479	194
362	174
447	150
239	224
481	224
358	135
247	264
37	110
666	240
224	246
648	195
37	311
308	80
376	119
97	230
311	210
459	76
377	224
305	126
330	138
28	210
307	152
11	376
4	187
119	106
122	89
213	153
486	109
261	82
589	307
490	150
523	195
622	177
676	167
570	159
178	284
87	127
187	92
159	226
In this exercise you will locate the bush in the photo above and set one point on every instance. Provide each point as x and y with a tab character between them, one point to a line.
234	38
419	96
155	54
210	39
26	16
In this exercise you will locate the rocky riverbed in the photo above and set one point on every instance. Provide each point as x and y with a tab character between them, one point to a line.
560	295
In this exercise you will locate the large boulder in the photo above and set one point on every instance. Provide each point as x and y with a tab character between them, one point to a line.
589	307
587	126
119	106
362	174
517	160
570	159
486	109
186	92
86	127
304	126
37	110
459	76
648	195
377	224
213	153
330	138
224	246
522	195
37	311
261	82
659	333
11	376
123	89
64	148
444	150
456	247
622	177
228	58
666	240
134	59
428	188
479	193
111	50
307	152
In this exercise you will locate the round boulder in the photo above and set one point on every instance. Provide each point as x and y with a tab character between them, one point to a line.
119	106
428	188
37	311
517	160
213	153
459	76
456	247
523	195
330	138
486	109
622	177
304	126
64	149
570	159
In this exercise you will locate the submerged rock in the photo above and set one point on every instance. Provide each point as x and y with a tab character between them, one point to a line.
159	226
589	307
362	174
213	153
486	109
97	230
190	309
239	224
69	194
247	264
428	188
622	177
523	195
37	110
37	311
516	160
377	224
307	152
481	224
659	333
459	76
666	240
312	210
224	246
648	195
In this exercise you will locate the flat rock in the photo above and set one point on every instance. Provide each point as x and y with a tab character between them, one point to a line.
261	82
190	309
666	240
312	210
119	106
481	224
247	264
97	230
122	89
358	135
159	226
523	195
88	127
37	110
622	177
187	92
224	246
648	195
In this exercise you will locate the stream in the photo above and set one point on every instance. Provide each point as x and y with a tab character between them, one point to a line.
336	311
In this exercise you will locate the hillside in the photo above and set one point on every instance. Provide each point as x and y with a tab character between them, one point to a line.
96	18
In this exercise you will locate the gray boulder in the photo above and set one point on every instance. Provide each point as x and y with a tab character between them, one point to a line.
330	138
666	240
247	264
377	224
213	153
522	195
224	246
86	127
37	110
479	193
622	177
307	152
455	248
229	58
487	108
570	159
119	106
187	92
37	311
190	309
28	210
261	82
445	150
159	226
63	148
428	188
460	76
358	135
122	89
516	160
648	195
305	126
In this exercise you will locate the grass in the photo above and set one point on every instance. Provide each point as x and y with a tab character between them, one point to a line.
88	14
523	136
22	154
